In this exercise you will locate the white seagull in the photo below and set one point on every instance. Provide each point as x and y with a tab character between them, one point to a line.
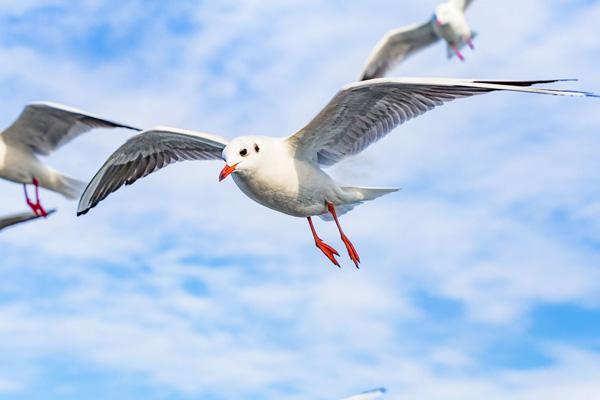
41	128
448	23
285	174
369	395
11	220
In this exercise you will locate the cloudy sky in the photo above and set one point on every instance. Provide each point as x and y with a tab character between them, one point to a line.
480	279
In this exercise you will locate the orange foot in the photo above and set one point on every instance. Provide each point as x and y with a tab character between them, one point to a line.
329	251
351	250
37	209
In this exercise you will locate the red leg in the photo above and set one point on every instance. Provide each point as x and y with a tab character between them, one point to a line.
37	206
28	201
470	43
458	53
349	246
329	251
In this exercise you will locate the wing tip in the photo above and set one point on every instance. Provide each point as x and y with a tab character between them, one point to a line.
52	104
133	128
84	208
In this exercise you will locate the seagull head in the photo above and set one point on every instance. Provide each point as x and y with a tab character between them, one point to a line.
241	155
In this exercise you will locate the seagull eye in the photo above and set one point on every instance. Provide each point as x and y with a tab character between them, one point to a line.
256	148
243	152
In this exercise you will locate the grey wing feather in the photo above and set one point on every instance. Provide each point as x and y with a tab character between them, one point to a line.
396	46
146	153
364	112
11	220
462	4
44	126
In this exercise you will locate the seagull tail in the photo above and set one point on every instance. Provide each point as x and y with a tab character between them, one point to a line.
366	194
69	187
360	195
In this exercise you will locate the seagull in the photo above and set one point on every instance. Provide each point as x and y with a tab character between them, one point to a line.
448	23
369	395
285	174
41	128
11	220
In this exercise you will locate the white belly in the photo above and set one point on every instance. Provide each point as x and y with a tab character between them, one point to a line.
19	165
455	31
298	189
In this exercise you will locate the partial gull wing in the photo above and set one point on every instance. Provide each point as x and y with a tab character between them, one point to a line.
462	4
44	127
146	153
370	395
364	112
11	220
396	46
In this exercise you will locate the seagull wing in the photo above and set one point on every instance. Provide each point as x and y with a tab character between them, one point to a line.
11	220
370	395
146	153
462	4
364	112
44	127
397	45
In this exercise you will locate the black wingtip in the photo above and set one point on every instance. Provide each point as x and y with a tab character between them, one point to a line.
83	212
527	83
133	128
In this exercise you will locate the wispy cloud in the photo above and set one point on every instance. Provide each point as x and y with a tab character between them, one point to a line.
180	287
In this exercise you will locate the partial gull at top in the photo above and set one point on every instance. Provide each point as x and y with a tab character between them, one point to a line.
42	128
447	23
285	174
11	220
368	395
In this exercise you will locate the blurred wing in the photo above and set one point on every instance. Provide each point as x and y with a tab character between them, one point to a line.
462	4
11	220
364	112
397	45
370	395
146	153
44	127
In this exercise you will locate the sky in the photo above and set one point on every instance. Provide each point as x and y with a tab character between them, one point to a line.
479	279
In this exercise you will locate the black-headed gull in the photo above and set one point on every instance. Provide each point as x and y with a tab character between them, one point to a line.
369	395
40	129
448	23
11	220
285	173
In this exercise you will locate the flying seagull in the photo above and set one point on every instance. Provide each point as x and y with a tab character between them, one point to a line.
369	395
285	174
11	220
448	23
41	128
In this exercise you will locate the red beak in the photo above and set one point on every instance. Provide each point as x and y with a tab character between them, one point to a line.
226	171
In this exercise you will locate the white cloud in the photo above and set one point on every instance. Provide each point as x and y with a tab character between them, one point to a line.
483	181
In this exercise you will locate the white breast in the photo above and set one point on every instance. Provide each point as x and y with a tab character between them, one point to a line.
288	185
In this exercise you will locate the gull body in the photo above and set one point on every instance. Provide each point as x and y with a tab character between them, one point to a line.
41	128
448	23
19	164
286	174
276	179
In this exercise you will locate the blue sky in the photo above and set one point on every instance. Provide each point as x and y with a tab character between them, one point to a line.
480	279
